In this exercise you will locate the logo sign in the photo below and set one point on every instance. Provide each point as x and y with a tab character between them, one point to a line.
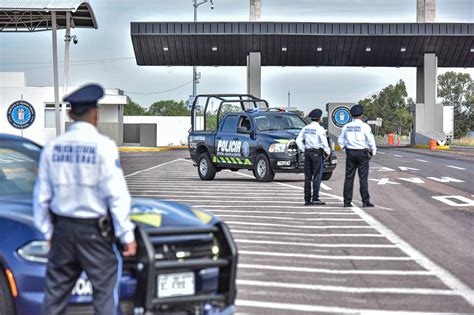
229	148
246	149
341	116
21	115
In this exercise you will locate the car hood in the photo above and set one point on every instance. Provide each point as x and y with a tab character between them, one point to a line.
146	212
290	134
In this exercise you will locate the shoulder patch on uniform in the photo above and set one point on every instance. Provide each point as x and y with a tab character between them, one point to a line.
117	163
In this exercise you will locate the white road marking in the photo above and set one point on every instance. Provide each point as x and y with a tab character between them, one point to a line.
398	155
152	168
287	218
350	213
270	207
446	180
463	201
383	153
328	309
414	180
306	227
243	195
406	168
339	271
330	257
384	181
382	169
325	187
456	167
273	202
420	160
316	244
342	289
308	235
445	276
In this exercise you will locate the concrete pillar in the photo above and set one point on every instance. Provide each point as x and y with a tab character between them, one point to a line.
254	74
255	10
428	114
426	11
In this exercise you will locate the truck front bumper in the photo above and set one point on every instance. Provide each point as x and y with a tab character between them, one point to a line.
282	163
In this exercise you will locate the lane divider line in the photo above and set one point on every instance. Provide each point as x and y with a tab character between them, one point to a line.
151	168
329	257
316	244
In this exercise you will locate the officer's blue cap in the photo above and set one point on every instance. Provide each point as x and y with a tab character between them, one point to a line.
315	114
84	98
357	110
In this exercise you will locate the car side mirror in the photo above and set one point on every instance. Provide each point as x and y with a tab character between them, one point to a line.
244	130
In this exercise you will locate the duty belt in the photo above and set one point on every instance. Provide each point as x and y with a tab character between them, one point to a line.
103	223
91	222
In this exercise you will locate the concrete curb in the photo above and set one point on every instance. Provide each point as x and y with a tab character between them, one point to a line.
140	149
440	147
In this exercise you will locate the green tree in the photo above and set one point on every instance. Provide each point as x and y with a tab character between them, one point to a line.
456	90
391	104
134	109
169	108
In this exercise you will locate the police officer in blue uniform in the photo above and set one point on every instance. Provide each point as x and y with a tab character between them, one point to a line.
358	141
81	203
313	141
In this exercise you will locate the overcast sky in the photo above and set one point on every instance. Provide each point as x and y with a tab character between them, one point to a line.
310	87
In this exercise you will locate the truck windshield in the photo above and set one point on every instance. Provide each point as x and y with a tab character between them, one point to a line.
272	122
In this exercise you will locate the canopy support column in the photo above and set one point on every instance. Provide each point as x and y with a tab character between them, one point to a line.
254	74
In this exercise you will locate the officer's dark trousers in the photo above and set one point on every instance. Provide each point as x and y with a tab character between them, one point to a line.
357	160
313	173
77	247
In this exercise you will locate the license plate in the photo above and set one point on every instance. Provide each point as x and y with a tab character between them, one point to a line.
176	284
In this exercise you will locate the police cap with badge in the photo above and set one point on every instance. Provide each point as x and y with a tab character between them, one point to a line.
357	110
84	98
315	114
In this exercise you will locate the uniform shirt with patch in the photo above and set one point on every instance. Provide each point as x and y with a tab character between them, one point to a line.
80	176
313	136
357	135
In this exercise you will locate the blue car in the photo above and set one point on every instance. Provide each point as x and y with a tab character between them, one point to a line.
186	261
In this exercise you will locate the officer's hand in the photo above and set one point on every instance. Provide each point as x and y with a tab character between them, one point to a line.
130	249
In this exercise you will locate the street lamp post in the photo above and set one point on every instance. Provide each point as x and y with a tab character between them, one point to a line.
196	5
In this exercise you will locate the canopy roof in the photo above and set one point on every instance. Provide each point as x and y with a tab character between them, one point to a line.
35	15
302	44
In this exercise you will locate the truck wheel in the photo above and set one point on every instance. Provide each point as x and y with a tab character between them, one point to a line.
263	170
327	176
206	169
6	302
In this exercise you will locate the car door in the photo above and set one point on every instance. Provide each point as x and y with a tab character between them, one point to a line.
245	132
228	146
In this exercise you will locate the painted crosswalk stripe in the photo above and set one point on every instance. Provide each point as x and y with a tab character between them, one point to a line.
351	235
342	289
420	160
316	244
456	167
288	218
306	227
338	271
330	257
312	309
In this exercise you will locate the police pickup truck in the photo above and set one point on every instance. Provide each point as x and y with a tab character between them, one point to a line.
244	133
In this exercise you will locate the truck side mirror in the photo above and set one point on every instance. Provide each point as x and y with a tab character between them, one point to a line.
244	130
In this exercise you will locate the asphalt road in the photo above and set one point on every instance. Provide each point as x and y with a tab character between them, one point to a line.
412	253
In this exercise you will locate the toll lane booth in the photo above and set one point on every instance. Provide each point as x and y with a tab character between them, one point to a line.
338	115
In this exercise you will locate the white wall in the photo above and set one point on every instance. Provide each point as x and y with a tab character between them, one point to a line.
38	97
171	130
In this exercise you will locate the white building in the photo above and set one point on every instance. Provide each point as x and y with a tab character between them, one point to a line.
13	88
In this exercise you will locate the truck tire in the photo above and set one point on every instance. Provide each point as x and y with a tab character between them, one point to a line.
6	301
206	169
327	176
263	169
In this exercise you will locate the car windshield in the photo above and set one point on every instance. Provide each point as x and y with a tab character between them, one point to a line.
18	168
271	122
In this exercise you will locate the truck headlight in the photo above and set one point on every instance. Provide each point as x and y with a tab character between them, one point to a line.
35	251
278	148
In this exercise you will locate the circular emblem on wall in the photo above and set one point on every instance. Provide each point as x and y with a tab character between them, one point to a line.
246	149
340	116
21	114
